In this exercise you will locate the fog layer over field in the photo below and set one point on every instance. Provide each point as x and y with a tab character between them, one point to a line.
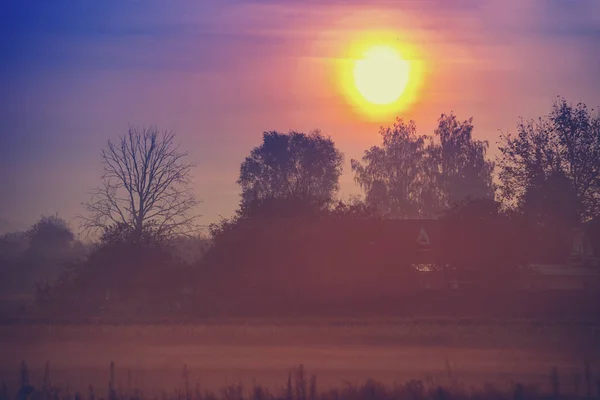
152	357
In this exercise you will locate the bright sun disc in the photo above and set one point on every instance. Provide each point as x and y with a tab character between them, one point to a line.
381	75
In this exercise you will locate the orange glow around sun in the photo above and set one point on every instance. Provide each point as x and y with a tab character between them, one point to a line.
380	78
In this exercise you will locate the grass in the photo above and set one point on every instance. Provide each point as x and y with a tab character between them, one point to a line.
572	383
302	386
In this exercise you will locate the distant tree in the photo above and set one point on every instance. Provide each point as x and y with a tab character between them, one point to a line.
145	189
50	232
293	171
415	176
593	233
551	165
396	176
113	277
12	247
552	201
482	233
38	254
191	249
465	172
473	210
354	207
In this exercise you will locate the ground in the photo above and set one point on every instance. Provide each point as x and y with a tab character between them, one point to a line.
152	357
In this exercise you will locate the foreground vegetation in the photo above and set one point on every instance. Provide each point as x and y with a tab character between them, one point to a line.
301	386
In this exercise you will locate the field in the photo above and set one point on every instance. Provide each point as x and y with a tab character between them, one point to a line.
224	352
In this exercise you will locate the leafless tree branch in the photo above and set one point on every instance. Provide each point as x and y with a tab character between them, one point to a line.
144	188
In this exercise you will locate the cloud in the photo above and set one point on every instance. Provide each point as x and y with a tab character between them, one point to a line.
191	35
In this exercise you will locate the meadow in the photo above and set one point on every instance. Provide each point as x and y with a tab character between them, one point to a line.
219	353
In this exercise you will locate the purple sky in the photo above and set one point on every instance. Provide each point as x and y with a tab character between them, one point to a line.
77	72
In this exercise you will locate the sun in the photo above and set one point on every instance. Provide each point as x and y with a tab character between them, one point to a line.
381	75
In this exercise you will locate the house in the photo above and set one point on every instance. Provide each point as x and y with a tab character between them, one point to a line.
452	255
388	256
581	271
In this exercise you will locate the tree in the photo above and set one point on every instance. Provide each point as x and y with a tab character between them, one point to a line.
39	254
354	207
113	277
12	247
481	235
395	176
473	210
464	170
536	163
416	176
295	172
593	232
552	201
145	191
50	233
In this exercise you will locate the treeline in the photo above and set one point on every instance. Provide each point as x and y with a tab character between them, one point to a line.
294	247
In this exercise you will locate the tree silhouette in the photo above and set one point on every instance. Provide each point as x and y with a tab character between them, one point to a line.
415	176
50	233
481	235
562	146
473	210
293	172
552	201
464	170
39	254
145	189
395	176
354	207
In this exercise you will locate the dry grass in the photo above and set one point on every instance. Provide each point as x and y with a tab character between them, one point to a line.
301	386
219	352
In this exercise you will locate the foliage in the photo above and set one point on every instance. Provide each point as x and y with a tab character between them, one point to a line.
464	170
477	248
395	176
415	176
50	232
12	246
191	249
302	386
471	209
354	207
535	162
118	277
293	170
39	254
593	230
552	202
145	189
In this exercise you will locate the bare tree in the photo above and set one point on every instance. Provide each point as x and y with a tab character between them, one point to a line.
145	191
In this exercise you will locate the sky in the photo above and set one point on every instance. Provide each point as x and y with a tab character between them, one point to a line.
76	73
